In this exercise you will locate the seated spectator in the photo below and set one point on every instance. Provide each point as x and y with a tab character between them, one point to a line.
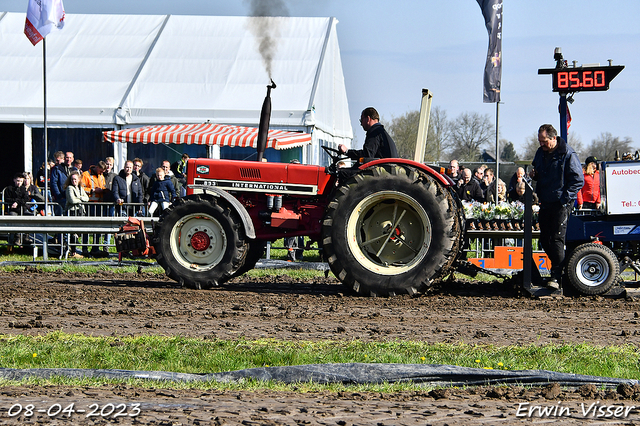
161	192
166	165
40	174
15	203
179	169
488	180
478	174
517	194
470	189
502	193
589	195
35	196
454	173
144	179
16	196
517	177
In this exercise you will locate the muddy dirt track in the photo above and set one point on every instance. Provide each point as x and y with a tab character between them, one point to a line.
279	307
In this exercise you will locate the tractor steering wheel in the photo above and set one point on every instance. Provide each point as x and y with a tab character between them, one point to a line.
336	155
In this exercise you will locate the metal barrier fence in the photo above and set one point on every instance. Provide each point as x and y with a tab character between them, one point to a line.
62	232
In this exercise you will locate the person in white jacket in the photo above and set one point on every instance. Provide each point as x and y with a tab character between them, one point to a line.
76	196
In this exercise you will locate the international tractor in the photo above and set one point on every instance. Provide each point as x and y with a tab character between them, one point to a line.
393	227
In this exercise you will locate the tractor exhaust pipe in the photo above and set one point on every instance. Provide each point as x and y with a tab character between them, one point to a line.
265	117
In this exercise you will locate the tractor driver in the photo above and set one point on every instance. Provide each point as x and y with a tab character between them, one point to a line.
377	143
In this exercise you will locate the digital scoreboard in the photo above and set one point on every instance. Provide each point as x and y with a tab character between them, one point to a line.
582	79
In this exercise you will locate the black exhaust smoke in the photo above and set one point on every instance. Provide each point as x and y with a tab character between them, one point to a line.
265	117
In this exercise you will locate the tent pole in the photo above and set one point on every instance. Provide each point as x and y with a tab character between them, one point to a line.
45	249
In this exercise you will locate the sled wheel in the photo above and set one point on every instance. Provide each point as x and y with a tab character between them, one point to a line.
199	242
592	269
254	252
390	230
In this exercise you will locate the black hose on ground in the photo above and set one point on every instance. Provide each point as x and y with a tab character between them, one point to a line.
353	373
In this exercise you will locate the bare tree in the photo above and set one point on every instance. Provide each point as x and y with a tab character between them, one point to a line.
531	145
604	147
404	131
469	133
439	134
575	142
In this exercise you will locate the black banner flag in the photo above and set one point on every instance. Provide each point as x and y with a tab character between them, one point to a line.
492	12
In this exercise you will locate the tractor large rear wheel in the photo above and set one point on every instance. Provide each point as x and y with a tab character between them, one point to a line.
199	241
391	229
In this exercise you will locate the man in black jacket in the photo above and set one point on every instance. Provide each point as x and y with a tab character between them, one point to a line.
16	199
127	189
377	143
144	179
558	171
470	189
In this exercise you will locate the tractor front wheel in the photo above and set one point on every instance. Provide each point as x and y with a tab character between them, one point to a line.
199	241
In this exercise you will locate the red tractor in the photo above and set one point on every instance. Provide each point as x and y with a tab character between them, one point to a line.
392	228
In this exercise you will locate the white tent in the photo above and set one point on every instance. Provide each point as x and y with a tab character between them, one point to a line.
120	71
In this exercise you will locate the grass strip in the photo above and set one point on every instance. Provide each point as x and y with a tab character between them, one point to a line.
191	355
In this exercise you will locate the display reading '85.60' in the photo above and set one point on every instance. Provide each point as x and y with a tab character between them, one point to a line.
583	79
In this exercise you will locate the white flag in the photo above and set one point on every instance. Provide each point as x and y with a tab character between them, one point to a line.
42	17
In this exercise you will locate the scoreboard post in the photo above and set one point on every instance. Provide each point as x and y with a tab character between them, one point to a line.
568	80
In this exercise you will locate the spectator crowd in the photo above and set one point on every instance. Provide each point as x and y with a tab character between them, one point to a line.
97	191
478	185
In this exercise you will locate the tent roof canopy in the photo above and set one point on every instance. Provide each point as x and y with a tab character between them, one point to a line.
207	134
132	70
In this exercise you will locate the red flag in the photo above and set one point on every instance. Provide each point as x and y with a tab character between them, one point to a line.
568	118
42	17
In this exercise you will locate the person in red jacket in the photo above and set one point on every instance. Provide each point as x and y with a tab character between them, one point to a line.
589	195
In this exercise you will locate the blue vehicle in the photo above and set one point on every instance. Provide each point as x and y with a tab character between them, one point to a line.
602	243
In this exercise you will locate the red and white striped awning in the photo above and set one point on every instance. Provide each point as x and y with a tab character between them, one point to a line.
207	134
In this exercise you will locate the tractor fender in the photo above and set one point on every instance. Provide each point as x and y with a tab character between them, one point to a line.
442	178
249	229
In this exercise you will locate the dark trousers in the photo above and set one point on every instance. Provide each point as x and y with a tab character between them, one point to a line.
553	221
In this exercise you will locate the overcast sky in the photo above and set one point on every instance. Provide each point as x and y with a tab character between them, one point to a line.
392	50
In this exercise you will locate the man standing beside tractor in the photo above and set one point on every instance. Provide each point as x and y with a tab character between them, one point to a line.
558	173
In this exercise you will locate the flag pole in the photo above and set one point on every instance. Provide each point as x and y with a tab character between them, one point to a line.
497	175
45	249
